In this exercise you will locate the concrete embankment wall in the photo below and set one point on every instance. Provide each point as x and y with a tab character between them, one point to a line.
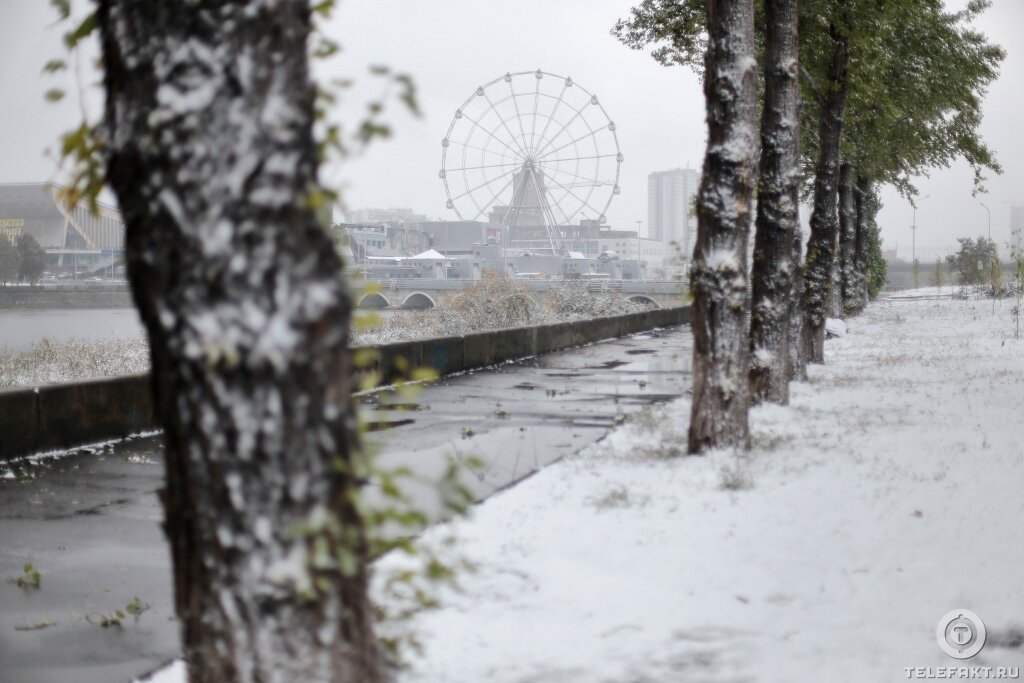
83	296
59	416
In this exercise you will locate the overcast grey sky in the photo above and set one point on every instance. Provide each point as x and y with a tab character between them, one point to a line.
452	46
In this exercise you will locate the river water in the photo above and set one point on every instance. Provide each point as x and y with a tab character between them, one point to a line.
20	329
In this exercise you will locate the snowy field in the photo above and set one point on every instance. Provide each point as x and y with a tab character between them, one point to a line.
887	494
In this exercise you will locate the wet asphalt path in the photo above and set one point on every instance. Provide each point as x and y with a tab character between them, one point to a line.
90	520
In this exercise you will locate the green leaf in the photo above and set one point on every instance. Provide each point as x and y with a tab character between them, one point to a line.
323	8
63	8
81	32
325	48
55	65
54	95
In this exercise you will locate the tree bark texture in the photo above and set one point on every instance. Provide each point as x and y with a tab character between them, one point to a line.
859	289
847	240
721	349
777	206
824	219
796	368
210	151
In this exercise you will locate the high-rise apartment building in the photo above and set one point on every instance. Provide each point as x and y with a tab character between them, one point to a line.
669	198
1017	227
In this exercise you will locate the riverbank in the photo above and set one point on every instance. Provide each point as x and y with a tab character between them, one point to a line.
47	347
65	296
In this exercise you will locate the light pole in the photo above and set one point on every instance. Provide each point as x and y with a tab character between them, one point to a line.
913	233
984	206
638	256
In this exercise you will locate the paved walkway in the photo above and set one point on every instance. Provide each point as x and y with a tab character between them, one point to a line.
90	520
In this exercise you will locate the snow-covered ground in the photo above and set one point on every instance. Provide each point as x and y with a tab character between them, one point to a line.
887	494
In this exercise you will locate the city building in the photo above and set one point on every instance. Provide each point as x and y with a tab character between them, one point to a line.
669	198
75	240
1017	228
453	238
396	216
655	253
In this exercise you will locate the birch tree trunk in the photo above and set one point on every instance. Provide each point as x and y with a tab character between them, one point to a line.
796	368
824	219
721	349
209	119
777	207
835	288
859	290
847	240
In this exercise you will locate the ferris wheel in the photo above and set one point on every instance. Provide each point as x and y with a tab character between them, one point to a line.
536	151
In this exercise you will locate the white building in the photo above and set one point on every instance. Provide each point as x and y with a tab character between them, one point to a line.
1017	227
669	198
656	254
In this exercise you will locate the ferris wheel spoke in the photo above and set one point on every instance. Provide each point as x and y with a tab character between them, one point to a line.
519	116
483	185
596	180
480	149
585	181
592	156
504	123
477	124
550	141
558	204
575	196
591	134
475	168
536	103
551	116
490	201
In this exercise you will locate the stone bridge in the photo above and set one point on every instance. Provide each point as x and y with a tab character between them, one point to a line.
421	294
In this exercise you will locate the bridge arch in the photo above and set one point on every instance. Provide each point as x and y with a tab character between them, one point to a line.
418	301
374	300
645	300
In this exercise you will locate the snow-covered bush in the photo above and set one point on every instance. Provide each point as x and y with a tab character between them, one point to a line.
494	303
491	303
49	361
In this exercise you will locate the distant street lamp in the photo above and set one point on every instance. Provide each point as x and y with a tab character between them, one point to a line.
913	233
989	220
638	257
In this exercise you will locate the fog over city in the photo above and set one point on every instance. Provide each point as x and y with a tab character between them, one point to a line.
450	48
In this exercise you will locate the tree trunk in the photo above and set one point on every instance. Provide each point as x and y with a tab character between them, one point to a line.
859	289
824	219
777	207
796	368
847	240
835	288
721	349
209	117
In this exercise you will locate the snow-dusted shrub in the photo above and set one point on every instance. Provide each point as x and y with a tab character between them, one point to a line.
49	361
494	303
491	303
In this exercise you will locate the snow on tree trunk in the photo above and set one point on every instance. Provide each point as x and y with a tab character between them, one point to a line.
835	289
721	349
824	219
796	367
777	207
209	123
858	298
847	240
